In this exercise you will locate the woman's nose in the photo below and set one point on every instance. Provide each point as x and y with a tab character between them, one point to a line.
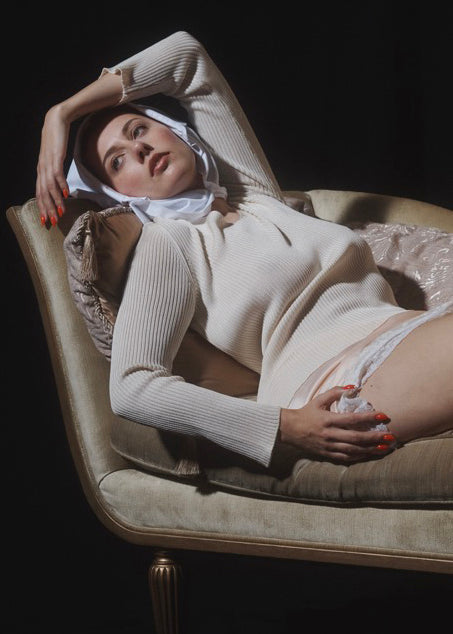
142	150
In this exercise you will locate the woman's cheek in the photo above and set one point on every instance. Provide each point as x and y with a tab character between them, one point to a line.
179	176
131	183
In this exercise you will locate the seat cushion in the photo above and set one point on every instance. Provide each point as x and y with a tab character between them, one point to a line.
421	472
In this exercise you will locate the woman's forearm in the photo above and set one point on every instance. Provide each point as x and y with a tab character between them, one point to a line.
102	93
157	308
180	67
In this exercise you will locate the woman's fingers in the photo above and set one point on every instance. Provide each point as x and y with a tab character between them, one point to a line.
366	419
349	445
350	436
50	198
326	399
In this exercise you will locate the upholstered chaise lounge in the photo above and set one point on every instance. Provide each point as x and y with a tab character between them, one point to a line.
396	512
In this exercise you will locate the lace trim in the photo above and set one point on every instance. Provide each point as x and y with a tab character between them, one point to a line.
375	353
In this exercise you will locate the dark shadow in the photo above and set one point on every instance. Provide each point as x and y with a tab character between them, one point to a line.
367	208
408	293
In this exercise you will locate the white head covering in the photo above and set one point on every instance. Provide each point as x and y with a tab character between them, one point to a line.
191	205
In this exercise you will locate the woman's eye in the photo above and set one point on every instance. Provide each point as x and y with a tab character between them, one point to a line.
116	163
138	131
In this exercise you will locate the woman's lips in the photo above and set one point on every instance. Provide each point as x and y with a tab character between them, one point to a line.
158	163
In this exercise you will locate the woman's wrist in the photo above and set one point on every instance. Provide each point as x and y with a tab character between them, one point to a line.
286	425
59	112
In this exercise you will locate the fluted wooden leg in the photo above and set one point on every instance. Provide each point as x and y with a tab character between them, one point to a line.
164	583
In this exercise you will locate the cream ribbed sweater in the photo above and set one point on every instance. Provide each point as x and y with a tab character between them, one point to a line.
279	291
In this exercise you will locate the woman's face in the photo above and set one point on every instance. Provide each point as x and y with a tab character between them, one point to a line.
139	156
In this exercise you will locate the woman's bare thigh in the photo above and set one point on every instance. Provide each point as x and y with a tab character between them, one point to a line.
414	385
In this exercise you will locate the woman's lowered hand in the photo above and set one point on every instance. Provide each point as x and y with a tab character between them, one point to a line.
336	437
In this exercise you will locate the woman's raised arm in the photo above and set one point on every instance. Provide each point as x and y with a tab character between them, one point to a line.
180	67
177	66
51	185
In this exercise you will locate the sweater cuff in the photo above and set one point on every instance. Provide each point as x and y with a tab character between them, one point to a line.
265	438
125	79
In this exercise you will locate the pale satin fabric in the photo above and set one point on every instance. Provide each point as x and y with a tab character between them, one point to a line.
190	205
355	364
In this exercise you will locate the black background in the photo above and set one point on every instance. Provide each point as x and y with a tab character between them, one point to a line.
347	95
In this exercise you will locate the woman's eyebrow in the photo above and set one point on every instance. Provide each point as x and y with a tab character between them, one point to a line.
124	132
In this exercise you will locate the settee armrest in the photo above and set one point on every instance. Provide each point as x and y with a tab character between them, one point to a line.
347	206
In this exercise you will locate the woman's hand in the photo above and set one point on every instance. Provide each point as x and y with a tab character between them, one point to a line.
51	185
337	437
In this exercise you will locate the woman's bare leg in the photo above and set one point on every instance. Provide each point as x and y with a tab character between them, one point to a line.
414	385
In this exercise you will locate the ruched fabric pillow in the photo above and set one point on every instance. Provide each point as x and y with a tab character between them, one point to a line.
416	261
98	251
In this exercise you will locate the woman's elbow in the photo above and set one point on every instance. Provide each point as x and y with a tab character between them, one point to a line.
186	38
119	400
133	389
117	405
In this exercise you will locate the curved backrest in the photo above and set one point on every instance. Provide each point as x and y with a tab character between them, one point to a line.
81	372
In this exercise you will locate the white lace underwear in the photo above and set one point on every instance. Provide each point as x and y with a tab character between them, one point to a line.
358	362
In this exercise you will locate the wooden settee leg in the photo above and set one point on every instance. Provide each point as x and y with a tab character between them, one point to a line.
164	583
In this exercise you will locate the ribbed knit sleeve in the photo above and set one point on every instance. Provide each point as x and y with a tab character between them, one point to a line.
179	66
156	311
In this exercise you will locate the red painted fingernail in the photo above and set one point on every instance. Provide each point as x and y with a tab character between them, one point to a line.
60	210
43	220
65	193
388	437
348	387
382	447
381	417
53	220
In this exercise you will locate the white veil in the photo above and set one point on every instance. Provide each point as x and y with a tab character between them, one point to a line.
191	205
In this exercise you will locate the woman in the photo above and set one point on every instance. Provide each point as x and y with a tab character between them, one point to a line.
294	298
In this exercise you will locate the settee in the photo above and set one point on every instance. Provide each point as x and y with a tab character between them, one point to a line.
395	512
